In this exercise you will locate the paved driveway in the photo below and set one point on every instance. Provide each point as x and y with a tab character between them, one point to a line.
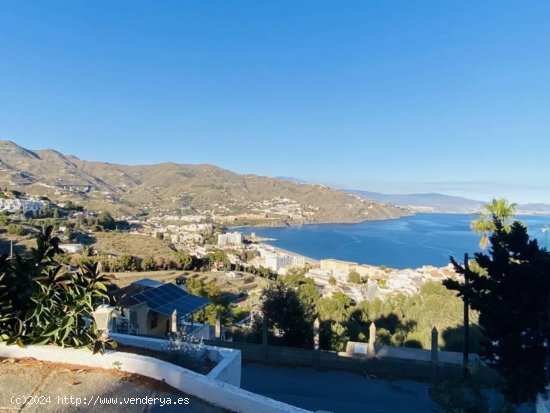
336	391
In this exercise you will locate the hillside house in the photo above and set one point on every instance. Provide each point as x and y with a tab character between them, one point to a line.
153	308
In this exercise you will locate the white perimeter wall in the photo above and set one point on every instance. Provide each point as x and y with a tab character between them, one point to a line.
228	361
203	387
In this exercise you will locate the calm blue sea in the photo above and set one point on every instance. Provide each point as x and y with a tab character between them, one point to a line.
408	242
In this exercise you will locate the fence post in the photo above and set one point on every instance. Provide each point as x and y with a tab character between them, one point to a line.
218	329
435	335
264	337
435	352
316	342
371	350
466	352
174	325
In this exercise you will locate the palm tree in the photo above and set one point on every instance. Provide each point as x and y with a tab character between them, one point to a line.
484	224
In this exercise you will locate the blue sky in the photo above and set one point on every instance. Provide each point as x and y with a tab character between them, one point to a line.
392	96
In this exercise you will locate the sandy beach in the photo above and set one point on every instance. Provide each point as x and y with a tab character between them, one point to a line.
309	260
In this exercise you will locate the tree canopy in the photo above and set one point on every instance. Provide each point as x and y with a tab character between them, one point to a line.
510	290
184	259
401	320
286	313
484	224
106	220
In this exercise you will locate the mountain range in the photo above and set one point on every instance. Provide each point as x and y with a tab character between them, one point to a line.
434	202
427	201
170	188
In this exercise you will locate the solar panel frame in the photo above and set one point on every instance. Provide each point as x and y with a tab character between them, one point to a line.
164	293
148	282
169	297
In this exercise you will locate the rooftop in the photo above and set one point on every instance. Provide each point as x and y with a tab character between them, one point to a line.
163	298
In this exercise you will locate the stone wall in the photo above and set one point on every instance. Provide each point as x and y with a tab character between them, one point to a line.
382	364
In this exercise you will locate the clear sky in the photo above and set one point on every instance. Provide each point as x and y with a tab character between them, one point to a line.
391	96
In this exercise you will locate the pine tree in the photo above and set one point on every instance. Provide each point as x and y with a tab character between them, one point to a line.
511	292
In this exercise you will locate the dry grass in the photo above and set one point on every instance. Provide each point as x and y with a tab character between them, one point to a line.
21	244
122	279
137	245
19	366
235	285
248	283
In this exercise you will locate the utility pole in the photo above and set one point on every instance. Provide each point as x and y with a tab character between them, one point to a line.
11	249
466	319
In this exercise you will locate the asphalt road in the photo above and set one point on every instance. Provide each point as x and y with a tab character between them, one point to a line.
336	391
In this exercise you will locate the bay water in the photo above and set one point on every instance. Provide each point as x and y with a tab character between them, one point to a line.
408	242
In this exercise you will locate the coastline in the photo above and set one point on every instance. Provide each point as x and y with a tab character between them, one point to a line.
401	246
413	213
290	225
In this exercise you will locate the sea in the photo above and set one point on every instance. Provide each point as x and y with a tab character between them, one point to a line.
408	242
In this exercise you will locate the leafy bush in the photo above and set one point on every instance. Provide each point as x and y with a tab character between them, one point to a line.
41	302
458	396
15	229
354	277
467	396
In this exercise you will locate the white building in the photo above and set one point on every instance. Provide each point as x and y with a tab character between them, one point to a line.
72	248
298	261
22	205
230	238
321	276
280	262
275	262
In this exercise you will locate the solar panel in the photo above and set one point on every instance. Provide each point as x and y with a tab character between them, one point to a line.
169	297
183	305
147	282
161	295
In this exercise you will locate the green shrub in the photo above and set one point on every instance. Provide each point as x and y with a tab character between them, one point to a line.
458	396
15	229
41	302
354	277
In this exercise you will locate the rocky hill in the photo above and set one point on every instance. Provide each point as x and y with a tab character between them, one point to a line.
176	188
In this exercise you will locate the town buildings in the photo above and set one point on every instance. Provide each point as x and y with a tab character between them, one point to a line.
230	238
22	205
376	282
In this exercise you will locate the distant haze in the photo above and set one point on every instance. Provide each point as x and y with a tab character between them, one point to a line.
444	203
